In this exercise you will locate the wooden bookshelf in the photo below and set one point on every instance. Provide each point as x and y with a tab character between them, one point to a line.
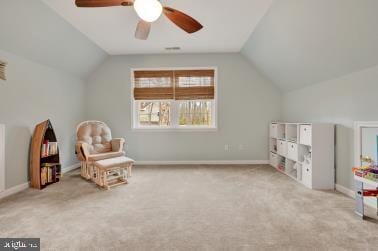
39	160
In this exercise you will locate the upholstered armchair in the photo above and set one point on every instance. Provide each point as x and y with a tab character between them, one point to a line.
94	142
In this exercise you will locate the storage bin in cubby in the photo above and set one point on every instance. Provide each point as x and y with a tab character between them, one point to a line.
305	135
307	174
282	147
292	151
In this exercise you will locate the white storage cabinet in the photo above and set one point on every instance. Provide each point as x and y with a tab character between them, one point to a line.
307	149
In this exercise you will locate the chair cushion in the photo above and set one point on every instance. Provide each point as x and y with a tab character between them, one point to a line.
97	135
114	162
102	156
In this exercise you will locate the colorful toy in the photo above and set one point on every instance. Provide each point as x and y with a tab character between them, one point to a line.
368	175
366	172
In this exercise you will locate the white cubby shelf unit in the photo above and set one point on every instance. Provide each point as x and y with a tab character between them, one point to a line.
304	152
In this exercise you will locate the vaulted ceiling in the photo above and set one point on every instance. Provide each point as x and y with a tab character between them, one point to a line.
295	43
31	29
303	42
227	26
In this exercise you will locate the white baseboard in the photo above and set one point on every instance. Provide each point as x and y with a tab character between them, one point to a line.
342	189
202	162
371	202
26	185
14	190
70	168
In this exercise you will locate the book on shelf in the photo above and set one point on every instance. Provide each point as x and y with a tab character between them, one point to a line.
49	164
49	148
50	172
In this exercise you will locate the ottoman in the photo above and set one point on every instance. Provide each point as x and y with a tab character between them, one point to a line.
112	172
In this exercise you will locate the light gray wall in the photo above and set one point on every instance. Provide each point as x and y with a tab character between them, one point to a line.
32	30
247	104
304	42
32	94
341	101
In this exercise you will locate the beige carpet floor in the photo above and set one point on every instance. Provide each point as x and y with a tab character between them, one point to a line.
188	208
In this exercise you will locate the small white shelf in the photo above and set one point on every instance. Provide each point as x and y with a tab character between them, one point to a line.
304	151
277	131
366	181
291	132
273	145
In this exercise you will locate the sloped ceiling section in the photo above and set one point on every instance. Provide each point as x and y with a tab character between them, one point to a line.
32	30
227	25
303	42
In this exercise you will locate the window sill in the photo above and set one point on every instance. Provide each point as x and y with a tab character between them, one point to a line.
187	129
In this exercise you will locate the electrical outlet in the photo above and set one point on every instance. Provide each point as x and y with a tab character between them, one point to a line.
227	148
241	147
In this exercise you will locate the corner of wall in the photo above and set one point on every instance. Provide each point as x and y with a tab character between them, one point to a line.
104	58
250	62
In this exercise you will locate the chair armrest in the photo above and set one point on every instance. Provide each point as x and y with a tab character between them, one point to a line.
106	155
117	144
81	150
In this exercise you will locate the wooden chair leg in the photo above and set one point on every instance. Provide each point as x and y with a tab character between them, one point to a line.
129	167
92	171
98	175
84	169
105	179
122	173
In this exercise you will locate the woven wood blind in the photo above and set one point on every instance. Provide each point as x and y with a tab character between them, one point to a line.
2	70
179	85
153	85
194	84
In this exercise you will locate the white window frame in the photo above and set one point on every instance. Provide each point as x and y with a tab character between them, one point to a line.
175	127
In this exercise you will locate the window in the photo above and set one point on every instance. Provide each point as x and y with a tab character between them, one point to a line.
195	113
154	113
174	99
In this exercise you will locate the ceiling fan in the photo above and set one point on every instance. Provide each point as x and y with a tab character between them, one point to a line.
149	11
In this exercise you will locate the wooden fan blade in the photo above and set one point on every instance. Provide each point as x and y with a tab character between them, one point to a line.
103	3
182	20
143	30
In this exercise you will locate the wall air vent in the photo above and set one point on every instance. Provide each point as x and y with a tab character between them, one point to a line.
2	70
175	48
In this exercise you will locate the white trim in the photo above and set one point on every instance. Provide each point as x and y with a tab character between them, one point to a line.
191	129
26	185
2	158
175	128
70	168
358	125
350	193
15	189
202	162
342	189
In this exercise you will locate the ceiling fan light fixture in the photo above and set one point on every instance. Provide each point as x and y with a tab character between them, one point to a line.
148	10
